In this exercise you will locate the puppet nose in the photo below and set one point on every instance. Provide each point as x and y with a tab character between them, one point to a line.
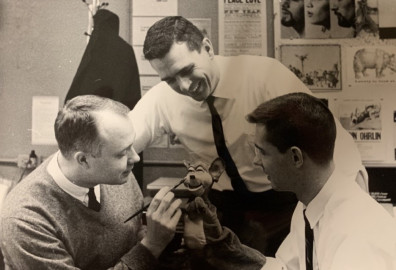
191	181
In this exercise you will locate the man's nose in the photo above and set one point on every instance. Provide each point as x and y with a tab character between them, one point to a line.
133	157
184	84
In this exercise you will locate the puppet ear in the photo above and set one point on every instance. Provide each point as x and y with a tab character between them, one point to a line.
216	168
186	163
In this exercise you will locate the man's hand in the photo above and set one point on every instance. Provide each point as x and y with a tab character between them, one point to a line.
162	218
206	210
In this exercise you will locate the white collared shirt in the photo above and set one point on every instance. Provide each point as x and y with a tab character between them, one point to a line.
80	193
351	231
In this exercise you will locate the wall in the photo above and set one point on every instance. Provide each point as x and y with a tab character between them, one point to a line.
41	45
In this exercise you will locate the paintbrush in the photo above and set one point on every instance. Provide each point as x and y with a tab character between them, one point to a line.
144	208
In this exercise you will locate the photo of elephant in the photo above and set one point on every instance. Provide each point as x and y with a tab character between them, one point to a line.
371	64
373	59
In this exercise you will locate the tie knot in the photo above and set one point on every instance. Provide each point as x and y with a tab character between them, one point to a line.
210	100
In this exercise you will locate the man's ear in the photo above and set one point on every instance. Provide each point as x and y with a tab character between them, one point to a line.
81	159
216	168
297	156
208	47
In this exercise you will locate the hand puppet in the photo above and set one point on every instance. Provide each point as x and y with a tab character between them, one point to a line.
199	181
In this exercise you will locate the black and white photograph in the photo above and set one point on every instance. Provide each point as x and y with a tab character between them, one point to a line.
197	135
363	119
317	66
371	65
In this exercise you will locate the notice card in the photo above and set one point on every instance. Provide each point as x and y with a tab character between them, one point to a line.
44	111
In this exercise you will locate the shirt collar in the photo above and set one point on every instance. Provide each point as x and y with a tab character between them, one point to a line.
221	88
80	193
317	206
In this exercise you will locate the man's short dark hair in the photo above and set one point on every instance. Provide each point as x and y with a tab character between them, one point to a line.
75	125
162	34
300	120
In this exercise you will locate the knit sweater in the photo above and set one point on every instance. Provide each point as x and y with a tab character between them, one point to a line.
43	227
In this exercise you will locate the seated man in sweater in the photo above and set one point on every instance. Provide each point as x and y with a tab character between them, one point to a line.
51	219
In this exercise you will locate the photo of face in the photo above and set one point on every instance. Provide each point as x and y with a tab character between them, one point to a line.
292	15
318	12
345	12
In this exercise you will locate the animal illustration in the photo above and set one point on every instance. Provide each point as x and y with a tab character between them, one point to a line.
199	181
370	112
372	59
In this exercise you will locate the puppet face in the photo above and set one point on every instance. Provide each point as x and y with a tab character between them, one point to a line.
201	176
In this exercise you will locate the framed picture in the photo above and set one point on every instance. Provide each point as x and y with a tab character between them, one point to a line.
318	66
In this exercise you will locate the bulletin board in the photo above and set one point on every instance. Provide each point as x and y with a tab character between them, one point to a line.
351	64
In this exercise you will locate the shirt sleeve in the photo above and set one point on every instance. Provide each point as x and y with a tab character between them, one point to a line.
347	157
358	253
148	117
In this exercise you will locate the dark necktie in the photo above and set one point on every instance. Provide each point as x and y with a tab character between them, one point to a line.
218	134
309	237
92	202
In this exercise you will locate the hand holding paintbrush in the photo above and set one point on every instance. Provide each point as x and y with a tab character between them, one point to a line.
144	208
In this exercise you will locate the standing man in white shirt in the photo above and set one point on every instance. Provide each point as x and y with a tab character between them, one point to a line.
191	73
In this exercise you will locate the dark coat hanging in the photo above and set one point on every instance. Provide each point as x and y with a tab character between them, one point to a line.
108	67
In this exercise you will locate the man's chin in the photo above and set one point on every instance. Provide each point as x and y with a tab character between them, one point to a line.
124	177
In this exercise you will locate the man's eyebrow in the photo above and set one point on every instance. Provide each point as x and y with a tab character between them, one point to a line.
258	147
182	71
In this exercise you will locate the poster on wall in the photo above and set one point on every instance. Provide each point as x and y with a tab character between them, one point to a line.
154	7
362	118
203	24
371	65
144	65
44	112
328	19
140	26
387	22
242	27
317	66
394	134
